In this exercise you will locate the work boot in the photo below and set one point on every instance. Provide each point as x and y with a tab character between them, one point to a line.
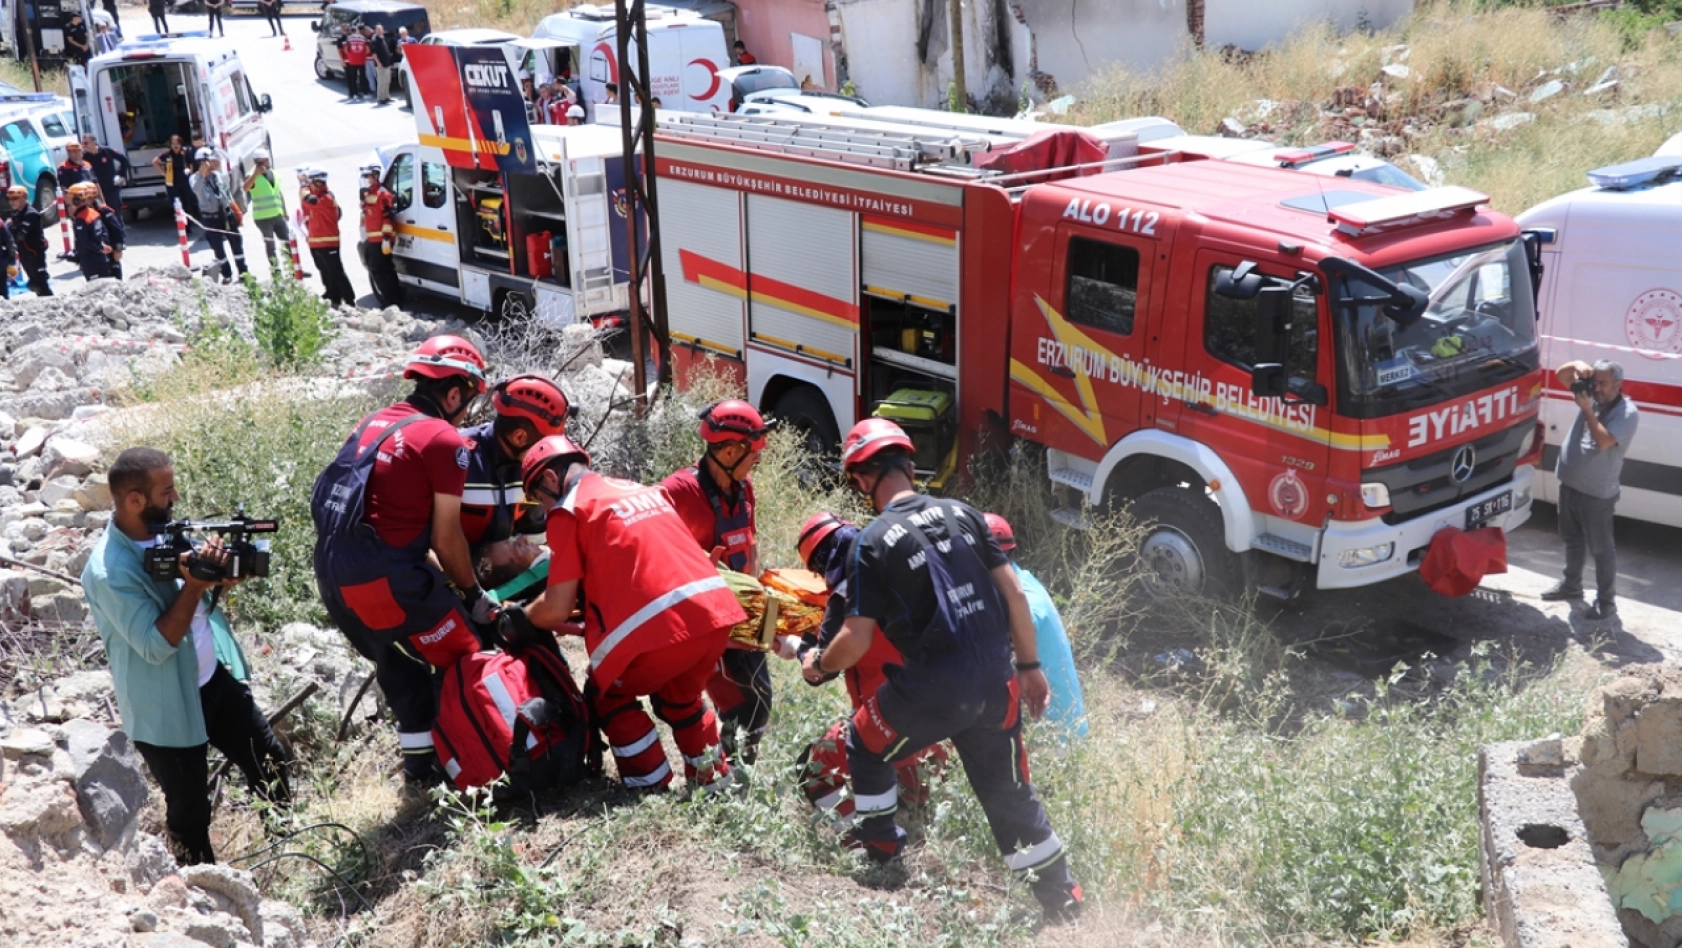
878	851
1561	592
1604	607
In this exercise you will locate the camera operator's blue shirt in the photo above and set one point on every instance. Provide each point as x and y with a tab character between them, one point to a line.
156	682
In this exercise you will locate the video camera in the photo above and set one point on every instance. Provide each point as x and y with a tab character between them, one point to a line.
1583	385
246	557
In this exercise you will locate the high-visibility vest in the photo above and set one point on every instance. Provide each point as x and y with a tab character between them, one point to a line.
266	201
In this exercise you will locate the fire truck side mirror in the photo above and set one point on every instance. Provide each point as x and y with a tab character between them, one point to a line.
1408	305
1239	283
1267	380
1273	324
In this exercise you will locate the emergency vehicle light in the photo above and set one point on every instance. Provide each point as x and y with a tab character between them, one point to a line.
1634	174
1302	156
29	97
1406	208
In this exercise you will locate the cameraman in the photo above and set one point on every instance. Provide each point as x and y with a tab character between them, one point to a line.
1591	464
174	700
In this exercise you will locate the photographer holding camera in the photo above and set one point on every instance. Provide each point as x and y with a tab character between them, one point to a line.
162	640
1591	464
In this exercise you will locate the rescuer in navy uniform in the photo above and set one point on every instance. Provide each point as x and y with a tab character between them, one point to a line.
528	408
928	574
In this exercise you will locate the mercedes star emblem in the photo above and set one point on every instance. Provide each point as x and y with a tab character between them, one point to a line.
1460	469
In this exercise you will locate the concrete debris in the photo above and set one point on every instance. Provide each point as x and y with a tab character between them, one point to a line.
1547	91
76	870
1397	71
1511	120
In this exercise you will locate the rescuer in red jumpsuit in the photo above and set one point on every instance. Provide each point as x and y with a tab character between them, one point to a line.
657	614
715	499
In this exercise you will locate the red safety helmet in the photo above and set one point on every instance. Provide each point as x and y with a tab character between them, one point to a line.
734	420
869	437
544	454
537	400
443	357
1000	528
817	528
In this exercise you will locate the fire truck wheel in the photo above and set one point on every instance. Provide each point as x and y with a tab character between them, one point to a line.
1184	551
514	307
804	409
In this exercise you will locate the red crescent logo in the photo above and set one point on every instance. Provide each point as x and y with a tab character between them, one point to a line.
712	71
606	52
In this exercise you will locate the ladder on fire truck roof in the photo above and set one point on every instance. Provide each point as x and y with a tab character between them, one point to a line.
878	144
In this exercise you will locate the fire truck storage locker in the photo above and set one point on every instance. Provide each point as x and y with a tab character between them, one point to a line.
702	216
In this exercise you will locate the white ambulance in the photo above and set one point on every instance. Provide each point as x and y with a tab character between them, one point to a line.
151	87
1613	290
685	53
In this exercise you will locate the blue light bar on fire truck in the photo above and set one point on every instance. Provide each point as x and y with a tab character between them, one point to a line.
1297	157
1364	217
1634	174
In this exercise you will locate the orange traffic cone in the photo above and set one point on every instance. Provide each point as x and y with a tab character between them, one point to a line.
288	47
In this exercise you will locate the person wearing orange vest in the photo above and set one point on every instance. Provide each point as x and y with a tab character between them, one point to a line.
321	224
379	235
714	496
657	613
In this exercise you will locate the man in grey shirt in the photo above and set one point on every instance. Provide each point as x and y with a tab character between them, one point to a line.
1591	465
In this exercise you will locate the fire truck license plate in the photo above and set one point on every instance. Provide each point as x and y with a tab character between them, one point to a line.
1477	514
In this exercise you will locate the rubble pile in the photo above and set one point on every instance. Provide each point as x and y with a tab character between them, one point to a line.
75	870
1388	113
74	350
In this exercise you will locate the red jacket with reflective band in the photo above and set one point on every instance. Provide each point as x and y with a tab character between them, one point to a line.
646	583
377	214
321	218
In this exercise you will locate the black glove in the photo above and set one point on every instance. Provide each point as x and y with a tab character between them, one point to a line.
517	632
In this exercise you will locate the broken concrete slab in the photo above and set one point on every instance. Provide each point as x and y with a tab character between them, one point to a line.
1541	885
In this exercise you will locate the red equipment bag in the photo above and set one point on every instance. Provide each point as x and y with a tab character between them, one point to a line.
538	264
1456	561
515	713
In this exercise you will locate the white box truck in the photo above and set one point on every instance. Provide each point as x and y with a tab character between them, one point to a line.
507	217
685	53
1613	290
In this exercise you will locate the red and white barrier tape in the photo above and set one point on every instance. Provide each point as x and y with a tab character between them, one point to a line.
1647	353
181	234
63	222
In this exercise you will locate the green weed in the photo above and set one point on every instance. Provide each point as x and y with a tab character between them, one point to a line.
292	324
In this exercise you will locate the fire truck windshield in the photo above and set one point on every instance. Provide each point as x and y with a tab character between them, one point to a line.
1478	330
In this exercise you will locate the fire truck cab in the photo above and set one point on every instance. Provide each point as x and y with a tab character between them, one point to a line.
1293	380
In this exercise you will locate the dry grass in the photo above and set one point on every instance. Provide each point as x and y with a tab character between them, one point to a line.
18	74
515	16
1465	66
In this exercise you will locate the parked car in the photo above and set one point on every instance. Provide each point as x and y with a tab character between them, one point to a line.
25	135
807	101
339	18
744	81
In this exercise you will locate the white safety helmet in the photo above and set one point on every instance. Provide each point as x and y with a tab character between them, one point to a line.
261	154
575	111
204	154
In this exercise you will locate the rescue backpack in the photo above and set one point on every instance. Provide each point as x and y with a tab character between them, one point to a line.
515	713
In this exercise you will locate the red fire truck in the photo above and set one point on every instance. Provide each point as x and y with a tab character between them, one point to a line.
1296	380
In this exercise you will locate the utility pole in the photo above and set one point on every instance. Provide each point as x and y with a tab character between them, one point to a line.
632	26
27	29
960	96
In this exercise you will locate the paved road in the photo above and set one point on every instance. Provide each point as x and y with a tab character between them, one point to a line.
311	124
1507	610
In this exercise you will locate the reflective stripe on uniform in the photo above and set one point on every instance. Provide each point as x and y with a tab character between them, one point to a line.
637	746
641	616
1036	855
479	495
415	742
876	804
660	774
